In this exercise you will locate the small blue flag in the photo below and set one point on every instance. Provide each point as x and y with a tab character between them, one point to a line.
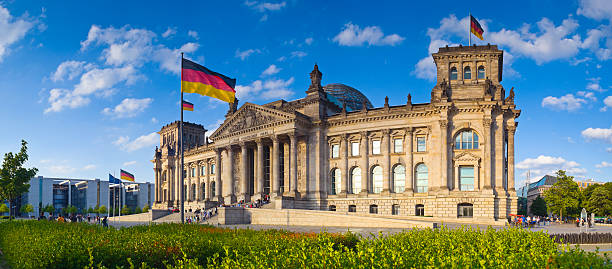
113	179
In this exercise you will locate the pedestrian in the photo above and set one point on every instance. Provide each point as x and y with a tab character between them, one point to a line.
105	222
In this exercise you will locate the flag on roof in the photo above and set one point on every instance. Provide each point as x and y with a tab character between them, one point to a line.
187	106
199	79
113	179
475	27
127	176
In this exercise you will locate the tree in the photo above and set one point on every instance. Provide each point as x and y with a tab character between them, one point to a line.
90	210
49	209
102	210
3	208
26	209
145	209
125	210
72	210
13	177
600	202
522	206
137	210
538	207
564	195
97	210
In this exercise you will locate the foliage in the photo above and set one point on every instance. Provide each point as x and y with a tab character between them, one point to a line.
600	201
522	206
13	177
146	209
102	210
3	208
137	210
49	209
125	210
90	210
564	195
538	207
79	245
26	209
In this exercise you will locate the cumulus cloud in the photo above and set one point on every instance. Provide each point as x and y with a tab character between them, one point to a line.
567	102
125	144
603	164
594	85
596	9
129	163
602	134
271	70
265	6
12	29
103	79
170	32
70	70
353	36
548	165
608	102
609	150
298	54
245	53
62	98
170	59
268	89
309	41
193	34
587	95
129	107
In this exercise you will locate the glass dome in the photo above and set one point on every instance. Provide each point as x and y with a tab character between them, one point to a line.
342	94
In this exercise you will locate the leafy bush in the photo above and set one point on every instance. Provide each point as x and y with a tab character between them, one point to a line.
78	245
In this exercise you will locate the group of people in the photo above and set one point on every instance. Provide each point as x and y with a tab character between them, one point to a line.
529	221
77	218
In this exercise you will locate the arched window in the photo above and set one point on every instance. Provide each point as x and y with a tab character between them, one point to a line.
335	181
467	73
332	208
419	210
203	191
377	179
453	73
421	178
481	72
212	189
466	140
356	180
465	210
399	178
193	192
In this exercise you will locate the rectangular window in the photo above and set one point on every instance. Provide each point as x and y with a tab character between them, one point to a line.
212	169
354	148
203	170
421	145
375	146
398	145
335	151
466	178
395	209
193	171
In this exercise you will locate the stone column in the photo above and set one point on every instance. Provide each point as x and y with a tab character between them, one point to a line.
244	182
499	155
260	169
207	188
293	165
275	167
487	154
230	176
386	165
443	155
365	169
409	166
511	131
344	174
218	175
156	184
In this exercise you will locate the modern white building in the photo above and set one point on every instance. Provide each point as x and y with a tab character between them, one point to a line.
85	193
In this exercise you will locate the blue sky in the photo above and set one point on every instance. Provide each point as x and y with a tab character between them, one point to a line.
88	83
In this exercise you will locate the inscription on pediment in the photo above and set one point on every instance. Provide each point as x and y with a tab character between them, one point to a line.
250	116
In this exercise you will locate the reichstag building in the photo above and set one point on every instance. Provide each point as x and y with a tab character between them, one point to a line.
332	150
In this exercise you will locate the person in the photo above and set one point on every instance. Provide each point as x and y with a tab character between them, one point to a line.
105	222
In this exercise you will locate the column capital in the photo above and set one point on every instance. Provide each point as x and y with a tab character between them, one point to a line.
409	130
487	122
292	135
274	138
363	134
443	123
242	144
259	140
386	132
511	129
228	148
344	137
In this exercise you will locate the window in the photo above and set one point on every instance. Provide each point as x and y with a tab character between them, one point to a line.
419	210
335	181
212	169
203	190
203	170
421	178
466	140
373	209
193	192
335	151
395	209
465	210
453	73
377	179
184	173
466	178
356	180
352	208
332	208
193	171
398	145
212	189
354	148
375	146
481	72
421	144
467	73
399	178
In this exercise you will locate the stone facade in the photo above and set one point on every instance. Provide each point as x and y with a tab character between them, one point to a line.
449	158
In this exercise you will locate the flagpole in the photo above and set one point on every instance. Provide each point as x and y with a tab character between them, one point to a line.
470	29
182	179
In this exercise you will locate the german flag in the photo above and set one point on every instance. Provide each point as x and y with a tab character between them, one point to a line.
475	27
187	106
199	79
127	176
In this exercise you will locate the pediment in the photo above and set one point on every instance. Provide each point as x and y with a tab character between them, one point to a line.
466	157
251	116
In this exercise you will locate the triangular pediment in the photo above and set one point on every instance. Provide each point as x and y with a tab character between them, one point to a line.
251	116
467	157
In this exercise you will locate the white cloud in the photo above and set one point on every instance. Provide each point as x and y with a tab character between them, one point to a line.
129	107
154	120
12	30
588	95
298	54
309	41
609	150
594	85
567	102
61	98
603	164
548	165
129	163
608	102
246	53
596	9
143	141
268	89
193	34
598	134
61	169
89	167
104	79
282	58
170	32
70	70
352	35
265	6
271	70
170	60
